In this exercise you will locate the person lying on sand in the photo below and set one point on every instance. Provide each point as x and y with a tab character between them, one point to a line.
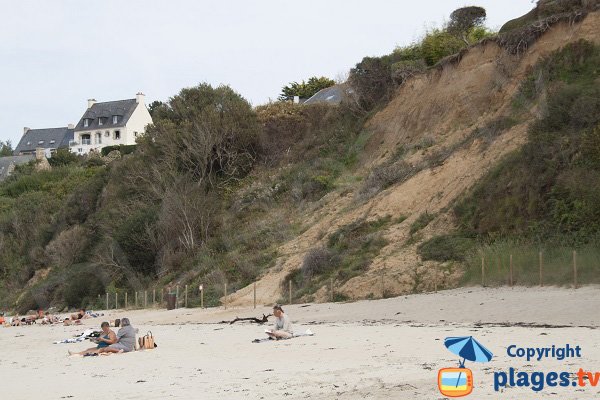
81	314
125	339
107	337
49	319
283	327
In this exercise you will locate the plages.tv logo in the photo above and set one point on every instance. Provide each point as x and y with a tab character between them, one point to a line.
458	382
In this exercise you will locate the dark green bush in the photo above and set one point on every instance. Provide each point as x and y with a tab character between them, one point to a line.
123	148
63	157
421	222
446	248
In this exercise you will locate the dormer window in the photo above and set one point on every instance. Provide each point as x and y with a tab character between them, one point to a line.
100	121
41	142
115	119
52	141
86	122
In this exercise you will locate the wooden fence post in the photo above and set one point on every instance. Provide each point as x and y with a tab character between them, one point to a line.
162	292
575	269
435	279
331	289
177	297
225	297
255	295
201	296
382	284
511	271
106	301
290	290
145	299
116	300
541	269
483	271
186	290
136	299
154	297
126	300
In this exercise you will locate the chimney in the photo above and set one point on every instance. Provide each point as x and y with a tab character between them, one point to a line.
91	102
70	126
25	130
139	98
39	153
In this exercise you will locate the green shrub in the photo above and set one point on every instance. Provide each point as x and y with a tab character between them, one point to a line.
421	222
82	286
446	248
122	148
63	157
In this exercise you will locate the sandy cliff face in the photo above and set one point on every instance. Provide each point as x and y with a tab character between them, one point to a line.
441	108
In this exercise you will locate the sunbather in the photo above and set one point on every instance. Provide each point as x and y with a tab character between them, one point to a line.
81	314
283	327
125	339
107	338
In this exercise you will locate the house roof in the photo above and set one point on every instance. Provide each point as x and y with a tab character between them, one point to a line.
6	162
49	138
107	109
332	95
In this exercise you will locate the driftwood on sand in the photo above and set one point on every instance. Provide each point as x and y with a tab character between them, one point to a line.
264	319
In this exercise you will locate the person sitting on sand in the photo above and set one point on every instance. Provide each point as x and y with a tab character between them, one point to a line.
15	321
125	339
106	338
283	327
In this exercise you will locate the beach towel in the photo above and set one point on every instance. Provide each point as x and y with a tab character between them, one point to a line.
308	332
77	339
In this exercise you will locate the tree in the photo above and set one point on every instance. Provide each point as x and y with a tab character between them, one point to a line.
305	90
63	157
207	134
6	148
372	81
155	107
463	20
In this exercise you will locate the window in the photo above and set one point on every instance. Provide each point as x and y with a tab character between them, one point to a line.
41	142
117	135
107	134
98	138
52	141
80	149
86	122
135	134
100	121
115	119
86	139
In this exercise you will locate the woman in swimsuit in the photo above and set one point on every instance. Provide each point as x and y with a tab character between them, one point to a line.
107	338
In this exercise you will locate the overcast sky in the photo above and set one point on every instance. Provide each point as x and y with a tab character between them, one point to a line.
54	55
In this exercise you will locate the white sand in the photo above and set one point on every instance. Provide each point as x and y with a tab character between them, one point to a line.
370	349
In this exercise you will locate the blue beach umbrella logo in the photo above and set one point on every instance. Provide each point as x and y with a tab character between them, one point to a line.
458	382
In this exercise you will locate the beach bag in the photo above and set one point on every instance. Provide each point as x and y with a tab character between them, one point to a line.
147	342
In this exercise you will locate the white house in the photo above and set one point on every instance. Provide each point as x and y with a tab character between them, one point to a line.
111	123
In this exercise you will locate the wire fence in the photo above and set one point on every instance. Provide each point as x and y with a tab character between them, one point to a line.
530	267
525	267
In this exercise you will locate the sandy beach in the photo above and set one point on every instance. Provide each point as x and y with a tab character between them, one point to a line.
377	349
